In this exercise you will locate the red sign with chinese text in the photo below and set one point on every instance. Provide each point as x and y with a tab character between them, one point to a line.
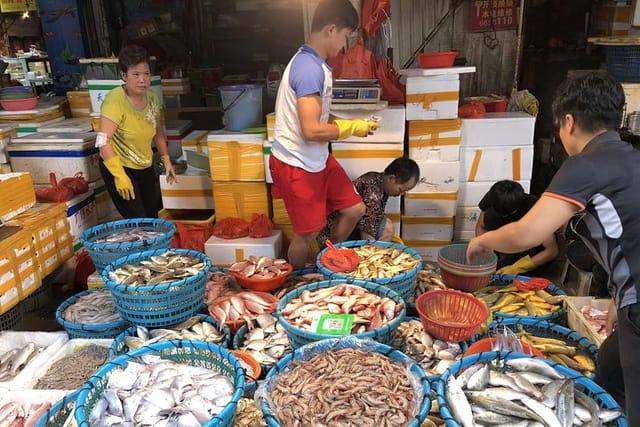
494	15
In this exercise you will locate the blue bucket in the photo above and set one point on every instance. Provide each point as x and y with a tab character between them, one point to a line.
242	106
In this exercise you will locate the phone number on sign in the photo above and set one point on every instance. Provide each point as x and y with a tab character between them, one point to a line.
497	22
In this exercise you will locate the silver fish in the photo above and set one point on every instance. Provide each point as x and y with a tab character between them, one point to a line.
458	403
534	365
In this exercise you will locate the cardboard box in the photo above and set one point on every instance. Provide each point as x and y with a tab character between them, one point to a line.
240	199
424	228
236	156
576	320
358	159
496	163
433	97
430	204
224	252
498	129
428	249
17	194
437	177
467	218
435	140
192	191
470	193
392	120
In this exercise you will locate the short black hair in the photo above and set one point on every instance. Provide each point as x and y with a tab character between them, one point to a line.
404	169
507	197
131	55
338	12
595	101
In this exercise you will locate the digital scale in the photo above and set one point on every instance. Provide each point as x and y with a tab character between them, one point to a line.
356	91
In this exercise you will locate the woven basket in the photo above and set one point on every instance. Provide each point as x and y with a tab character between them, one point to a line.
586	385
11	318
193	353
403	284
119	346
58	414
158	305
299	337
333	344
457	274
80	330
238	340
623	63
102	254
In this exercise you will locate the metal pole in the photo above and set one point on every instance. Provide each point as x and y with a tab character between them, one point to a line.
519	43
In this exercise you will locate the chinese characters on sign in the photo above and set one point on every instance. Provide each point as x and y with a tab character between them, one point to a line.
494	15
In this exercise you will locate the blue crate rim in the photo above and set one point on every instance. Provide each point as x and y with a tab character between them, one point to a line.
121	361
76	327
410	274
63	404
579	379
331	344
141	256
119	340
85	237
372	287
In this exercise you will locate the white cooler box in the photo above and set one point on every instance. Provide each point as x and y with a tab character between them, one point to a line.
470	193
74	125
192	191
224	252
392	122
498	129
63	153
496	163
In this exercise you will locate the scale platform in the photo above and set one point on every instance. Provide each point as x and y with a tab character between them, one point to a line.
356	91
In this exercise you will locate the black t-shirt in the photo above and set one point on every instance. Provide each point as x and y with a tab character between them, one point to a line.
494	220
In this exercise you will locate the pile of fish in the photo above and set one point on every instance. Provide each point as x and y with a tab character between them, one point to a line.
371	311
155	391
93	308
192	329
248	414
129	236
219	284
242	307
378	262
522	392
12	362
266	340
70	372
17	414
510	300
427	279
263	267
433	355
295	282
346	387
597	319
158	269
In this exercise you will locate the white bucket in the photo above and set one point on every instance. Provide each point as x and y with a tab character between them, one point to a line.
242	106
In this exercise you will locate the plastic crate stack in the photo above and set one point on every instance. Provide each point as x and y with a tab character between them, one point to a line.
434	129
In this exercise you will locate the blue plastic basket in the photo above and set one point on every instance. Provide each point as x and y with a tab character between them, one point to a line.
158	305
299	337
623	62
119	346
58	414
333	344
238	339
81	330
193	353
404	284
543	328
102	254
586	385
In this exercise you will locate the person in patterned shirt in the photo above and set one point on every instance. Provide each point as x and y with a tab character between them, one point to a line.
375	188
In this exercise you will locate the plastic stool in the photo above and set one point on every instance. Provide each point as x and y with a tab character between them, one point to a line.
584	278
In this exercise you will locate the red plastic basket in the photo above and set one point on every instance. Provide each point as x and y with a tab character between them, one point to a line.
450	315
262	285
465	282
437	59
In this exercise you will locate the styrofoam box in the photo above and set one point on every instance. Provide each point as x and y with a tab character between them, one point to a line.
394	204
50	341
428	249
430	204
422	148
467	218
175	131
423	228
576	320
496	163
28	128
429	90
463	235
224	252
98	89
63	153
470	193
358	159
82	214
266	149
438	177
73	125
498	129
192	191
392	122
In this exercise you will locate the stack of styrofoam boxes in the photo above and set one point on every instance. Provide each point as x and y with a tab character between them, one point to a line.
29	121
432	97
72	125
79	103
174	91
7	131
237	167
176	131
496	147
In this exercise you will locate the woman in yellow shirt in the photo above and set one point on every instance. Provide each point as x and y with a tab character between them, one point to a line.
131	120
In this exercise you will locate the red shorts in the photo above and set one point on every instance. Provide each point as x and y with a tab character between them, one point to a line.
311	197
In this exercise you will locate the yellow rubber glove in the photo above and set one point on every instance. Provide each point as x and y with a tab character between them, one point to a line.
355	127
169	172
122	181
523	265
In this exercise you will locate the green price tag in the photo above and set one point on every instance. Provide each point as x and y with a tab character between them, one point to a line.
334	324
